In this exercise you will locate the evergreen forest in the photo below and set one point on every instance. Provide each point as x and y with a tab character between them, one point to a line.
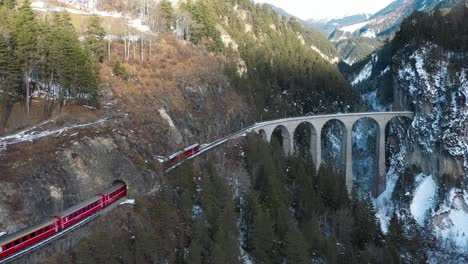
289	214
42	57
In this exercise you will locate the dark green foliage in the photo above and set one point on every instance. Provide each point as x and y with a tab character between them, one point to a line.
405	185
45	56
366	228
8	3
120	70
284	76
296	248
95	39
204	31
168	14
449	31
395	236
322	223
218	208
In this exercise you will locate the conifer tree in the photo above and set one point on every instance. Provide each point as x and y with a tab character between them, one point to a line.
95	39
395	235
168	14
296	249
25	32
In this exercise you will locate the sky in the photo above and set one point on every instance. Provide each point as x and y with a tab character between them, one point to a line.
318	9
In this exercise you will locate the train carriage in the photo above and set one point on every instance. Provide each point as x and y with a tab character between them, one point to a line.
115	192
191	150
10	244
78	212
173	159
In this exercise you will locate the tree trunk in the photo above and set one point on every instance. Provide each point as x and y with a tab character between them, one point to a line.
142	48
150	44
26	83
108	49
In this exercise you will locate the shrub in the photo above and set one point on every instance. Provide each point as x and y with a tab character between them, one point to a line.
120	70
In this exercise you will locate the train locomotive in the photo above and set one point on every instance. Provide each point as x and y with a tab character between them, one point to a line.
18	241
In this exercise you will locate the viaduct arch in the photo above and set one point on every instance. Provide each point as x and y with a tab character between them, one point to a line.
288	127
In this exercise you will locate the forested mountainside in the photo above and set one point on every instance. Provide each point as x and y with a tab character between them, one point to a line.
356	42
263	213
273	61
318	38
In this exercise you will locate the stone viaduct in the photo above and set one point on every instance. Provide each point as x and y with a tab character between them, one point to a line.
288	127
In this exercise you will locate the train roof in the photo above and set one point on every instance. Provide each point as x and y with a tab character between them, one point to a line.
175	154
114	187
76	207
5	239
192	146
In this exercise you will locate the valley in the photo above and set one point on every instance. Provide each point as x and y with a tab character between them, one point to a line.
97	91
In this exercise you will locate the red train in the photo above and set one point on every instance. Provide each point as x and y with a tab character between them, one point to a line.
12	243
180	155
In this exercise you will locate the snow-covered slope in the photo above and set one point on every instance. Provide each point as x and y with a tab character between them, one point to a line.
431	81
435	86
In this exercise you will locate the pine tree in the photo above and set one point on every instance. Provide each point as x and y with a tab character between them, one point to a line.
296	249
25	32
5	73
168	14
95	39
395	235
260	235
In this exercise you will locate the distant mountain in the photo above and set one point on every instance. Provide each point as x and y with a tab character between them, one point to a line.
327	26
283	13
357	41
312	37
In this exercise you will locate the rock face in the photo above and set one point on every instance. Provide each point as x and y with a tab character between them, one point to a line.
46	176
434	84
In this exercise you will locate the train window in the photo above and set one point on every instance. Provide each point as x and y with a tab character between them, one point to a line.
33	234
25	238
39	231
47	228
9	245
17	242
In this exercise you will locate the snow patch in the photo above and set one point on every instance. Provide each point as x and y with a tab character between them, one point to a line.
31	135
128	201
369	34
38	5
334	60
2	233
424	198
138	25
373	101
451	222
354	27
384	71
364	74
82	10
